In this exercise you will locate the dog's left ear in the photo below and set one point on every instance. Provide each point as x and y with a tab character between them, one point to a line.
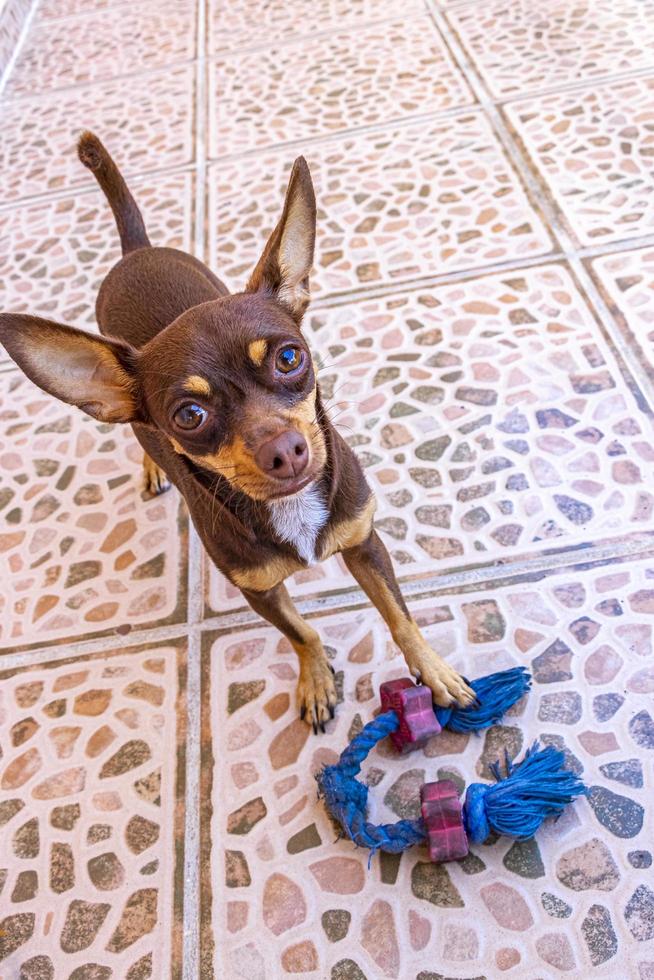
285	264
95	373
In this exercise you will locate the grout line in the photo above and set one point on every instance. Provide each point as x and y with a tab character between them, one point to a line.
378	290
70	89
192	857
574	86
325	139
468	578
61	649
87	13
304	144
628	352
18	47
622	245
412	6
52	94
135	177
416	7
542	197
492	113
191	877
195	576
346	598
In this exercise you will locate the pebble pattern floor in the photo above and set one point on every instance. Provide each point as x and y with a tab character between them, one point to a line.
482	323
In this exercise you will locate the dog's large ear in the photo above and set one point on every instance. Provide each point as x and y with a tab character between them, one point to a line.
94	373
285	264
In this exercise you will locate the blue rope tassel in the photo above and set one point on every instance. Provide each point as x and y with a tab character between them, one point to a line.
536	788
496	693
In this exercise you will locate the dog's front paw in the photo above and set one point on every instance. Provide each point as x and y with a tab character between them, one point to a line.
155	480
316	693
447	686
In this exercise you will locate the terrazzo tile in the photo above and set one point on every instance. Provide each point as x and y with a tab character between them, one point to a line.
519	47
104	45
88	890
417	200
55	253
576	898
254	23
491	419
148	124
82	552
49	9
593	149
12	19
290	92
627	279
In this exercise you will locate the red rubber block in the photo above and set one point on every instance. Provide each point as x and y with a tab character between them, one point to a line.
413	706
441	811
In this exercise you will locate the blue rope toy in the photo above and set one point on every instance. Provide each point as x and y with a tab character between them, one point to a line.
536	788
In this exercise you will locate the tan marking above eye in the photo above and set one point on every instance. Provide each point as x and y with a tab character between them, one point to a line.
257	351
197	385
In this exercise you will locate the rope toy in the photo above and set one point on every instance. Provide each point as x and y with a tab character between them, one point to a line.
527	793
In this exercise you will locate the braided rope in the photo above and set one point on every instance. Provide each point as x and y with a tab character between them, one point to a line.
347	798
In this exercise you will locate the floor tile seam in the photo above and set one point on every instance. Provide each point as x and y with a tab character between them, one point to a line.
540	193
88	186
326	301
52	95
412	285
448	25
196	571
538	187
359	294
537	191
628	353
304	144
327	139
97	11
574	86
471	580
610	248
408	11
192	843
24	31
72	87
403	13
633	547
91	11
60	648
192	857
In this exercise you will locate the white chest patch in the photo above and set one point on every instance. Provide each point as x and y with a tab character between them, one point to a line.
299	519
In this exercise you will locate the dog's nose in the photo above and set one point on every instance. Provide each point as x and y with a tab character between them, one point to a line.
284	456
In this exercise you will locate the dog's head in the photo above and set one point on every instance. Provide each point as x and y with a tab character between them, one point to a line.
230	382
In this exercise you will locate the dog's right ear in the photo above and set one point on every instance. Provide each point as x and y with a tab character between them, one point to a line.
284	267
94	373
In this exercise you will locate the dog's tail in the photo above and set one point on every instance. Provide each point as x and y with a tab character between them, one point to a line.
128	217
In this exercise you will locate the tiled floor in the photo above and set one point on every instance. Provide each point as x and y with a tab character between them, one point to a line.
483	321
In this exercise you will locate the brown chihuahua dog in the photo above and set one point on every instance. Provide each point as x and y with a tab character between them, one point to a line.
222	395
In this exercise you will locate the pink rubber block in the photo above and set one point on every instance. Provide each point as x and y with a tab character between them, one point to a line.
413	706
441	811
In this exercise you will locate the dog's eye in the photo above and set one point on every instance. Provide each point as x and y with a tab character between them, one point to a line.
289	359
190	416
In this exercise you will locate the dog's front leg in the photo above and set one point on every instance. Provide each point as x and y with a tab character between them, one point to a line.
371	566
316	690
